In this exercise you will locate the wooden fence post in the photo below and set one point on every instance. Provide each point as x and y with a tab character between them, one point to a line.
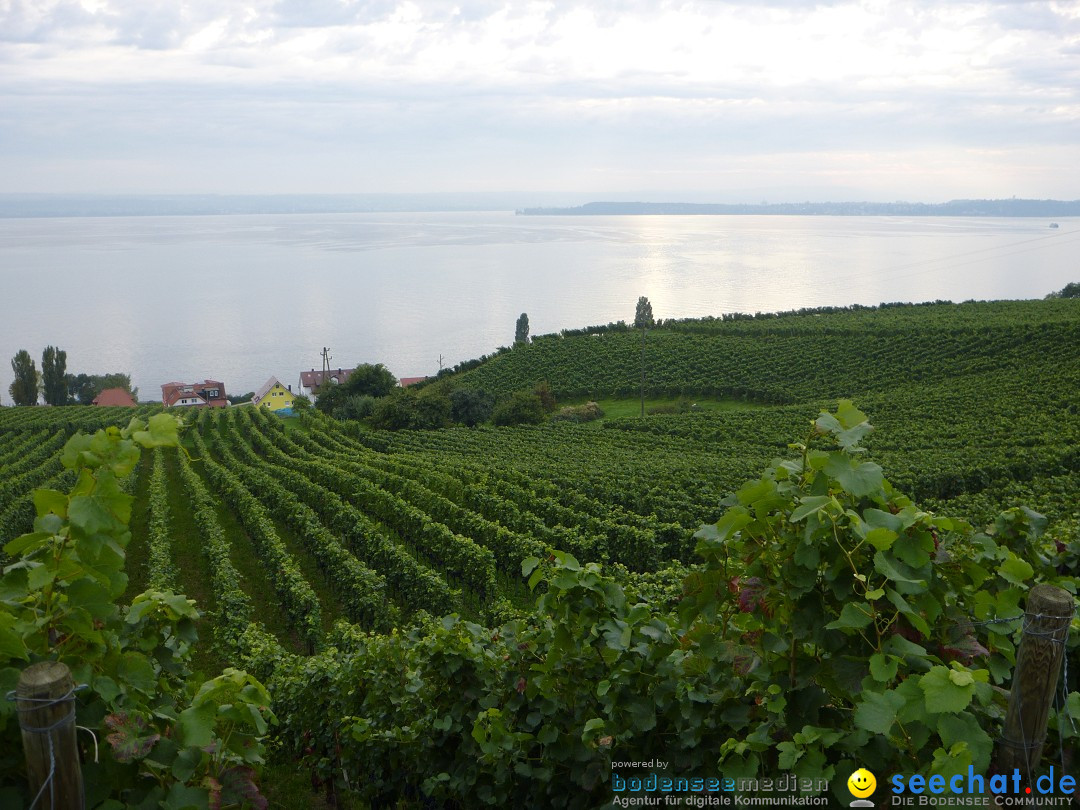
1047	617
45	700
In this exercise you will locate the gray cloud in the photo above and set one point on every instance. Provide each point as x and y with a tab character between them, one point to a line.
486	94
27	21
320	13
1034	16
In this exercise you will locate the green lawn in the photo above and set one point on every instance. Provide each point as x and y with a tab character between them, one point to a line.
616	408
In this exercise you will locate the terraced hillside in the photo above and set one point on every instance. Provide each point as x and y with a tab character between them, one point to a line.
796	357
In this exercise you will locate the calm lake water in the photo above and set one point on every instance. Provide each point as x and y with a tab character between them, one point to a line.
240	298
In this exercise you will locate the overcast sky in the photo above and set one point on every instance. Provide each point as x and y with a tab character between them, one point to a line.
784	100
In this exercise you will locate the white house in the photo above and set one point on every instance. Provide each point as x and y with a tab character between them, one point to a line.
310	381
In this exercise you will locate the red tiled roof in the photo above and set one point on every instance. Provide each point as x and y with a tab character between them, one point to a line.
175	395
171	392
313	379
114	396
405	382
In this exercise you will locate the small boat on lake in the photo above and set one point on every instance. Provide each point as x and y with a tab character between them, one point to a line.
1053	225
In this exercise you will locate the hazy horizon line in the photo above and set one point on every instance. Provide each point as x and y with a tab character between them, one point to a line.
16	205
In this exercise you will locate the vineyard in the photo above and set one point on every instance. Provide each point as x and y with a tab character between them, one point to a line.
794	358
421	606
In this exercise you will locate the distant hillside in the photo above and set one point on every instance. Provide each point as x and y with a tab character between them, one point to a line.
954	208
134	205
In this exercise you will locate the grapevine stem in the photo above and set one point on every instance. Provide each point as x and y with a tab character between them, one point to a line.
910	745
845	552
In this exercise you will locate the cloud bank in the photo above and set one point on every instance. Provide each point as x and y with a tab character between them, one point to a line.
915	100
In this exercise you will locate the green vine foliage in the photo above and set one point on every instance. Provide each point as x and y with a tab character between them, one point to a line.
832	625
167	742
856	618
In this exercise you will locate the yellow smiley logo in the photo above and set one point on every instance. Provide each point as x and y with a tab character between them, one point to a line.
861	783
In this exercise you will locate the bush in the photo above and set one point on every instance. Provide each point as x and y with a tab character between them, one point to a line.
407	410
547	398
470	408
357	406
588	412
522	408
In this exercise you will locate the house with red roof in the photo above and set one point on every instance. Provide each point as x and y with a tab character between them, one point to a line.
311	381
205	394
115	397
405	382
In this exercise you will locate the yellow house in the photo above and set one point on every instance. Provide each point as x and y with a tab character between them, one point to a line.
274	395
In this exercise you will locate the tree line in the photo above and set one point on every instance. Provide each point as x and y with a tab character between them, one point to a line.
55	385
371	394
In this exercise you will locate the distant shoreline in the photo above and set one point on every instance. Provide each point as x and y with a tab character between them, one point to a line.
954	208
35	206
55	206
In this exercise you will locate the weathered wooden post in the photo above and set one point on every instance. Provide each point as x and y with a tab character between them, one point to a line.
1047	617
45	699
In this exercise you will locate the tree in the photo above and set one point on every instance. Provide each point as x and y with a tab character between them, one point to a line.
24	390
84	387
642	320
80	388
366	381
53	375
370	380
330	397
118	380
643	317
521	333
1070	290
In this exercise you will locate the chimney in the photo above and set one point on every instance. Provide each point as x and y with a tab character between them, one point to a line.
290	389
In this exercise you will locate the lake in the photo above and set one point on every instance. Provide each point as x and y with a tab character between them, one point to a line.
240	298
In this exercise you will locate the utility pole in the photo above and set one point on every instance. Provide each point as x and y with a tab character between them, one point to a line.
326	358
440	362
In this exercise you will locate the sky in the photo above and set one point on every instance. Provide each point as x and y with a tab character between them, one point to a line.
781	100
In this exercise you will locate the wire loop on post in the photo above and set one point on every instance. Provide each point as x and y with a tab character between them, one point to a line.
38	704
